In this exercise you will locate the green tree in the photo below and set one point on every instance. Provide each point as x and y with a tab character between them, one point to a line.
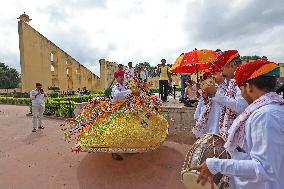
248	58
9	77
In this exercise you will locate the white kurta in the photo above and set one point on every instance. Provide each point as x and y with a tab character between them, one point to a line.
129	74
119	92
199	109
262	166
215	114
238	104
37	100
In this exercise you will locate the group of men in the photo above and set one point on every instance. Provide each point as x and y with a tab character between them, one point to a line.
243	108
141	73
246	111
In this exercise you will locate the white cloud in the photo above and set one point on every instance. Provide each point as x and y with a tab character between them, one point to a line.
145	30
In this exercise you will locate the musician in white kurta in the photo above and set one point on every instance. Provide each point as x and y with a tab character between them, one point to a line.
216	110
208	120
256	137
232	101
199	108
262	166
237	104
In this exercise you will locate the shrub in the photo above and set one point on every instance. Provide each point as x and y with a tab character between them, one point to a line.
78	99
53	88
16	95
11	100
59	108
54	95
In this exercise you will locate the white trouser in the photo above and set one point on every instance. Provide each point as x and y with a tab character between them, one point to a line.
37	112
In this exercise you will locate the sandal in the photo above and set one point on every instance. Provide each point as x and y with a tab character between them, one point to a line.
41	127
34	130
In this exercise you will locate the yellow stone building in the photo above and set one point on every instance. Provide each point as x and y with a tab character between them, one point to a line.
44	62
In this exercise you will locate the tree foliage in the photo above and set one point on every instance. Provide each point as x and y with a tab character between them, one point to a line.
9	77
248	58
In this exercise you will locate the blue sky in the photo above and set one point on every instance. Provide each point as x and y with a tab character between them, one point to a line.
146	30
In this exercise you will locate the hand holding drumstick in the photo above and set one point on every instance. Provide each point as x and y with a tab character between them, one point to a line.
205	175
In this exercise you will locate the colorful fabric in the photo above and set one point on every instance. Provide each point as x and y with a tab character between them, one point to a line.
228	115
194	61
237	130
226	57
254	69
133	123
118	73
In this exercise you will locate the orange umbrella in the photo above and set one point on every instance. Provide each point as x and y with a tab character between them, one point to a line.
177	62
194	61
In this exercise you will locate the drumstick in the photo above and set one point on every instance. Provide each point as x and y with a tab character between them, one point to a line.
204	175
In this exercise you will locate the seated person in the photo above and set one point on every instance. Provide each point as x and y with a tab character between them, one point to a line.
190	93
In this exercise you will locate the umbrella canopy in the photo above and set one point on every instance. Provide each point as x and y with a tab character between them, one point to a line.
177	62
194	61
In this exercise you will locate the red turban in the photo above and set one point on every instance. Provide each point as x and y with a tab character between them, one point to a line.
118	73
226	57
252	70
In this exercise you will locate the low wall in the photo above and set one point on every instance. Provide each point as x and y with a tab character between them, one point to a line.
181	121
180	118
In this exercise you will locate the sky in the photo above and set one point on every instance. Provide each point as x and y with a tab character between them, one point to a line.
146	30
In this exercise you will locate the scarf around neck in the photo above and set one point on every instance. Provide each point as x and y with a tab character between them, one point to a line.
228	115
237	130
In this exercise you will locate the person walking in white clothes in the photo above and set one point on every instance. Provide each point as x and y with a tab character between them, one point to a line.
37	95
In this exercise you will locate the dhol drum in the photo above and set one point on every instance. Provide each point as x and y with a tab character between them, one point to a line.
207	146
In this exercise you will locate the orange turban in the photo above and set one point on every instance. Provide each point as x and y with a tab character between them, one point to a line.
118	73
226	57
254	69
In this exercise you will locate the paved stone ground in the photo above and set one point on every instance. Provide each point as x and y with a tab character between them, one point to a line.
44	160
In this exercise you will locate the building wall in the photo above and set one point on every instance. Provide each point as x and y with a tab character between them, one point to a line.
42	61
107	70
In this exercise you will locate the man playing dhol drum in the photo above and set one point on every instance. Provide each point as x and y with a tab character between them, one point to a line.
208	121
257	133
232	101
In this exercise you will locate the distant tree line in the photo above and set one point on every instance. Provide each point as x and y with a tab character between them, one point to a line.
9	77
255	57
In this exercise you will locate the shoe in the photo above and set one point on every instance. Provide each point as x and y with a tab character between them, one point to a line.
34	130
41	127
117	157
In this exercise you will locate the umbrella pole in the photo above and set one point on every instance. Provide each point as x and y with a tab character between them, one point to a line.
197	73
